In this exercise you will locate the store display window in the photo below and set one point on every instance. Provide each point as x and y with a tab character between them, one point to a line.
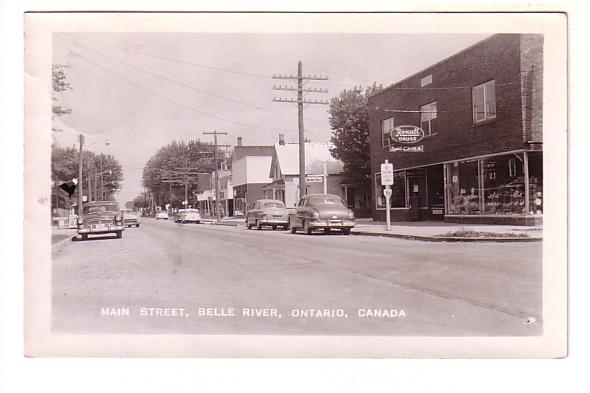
398	191
535	183
504	188
463	186
495	185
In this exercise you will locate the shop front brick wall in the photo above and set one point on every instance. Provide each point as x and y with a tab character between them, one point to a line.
509	59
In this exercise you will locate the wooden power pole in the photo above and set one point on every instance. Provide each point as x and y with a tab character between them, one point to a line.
215	162
300	101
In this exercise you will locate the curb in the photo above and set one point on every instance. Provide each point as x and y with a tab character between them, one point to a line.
63	241
450	239
232	224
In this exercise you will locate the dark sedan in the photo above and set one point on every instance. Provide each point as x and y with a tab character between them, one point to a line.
322	211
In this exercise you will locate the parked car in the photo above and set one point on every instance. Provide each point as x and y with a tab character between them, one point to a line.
130	218
268	212
188	215
162	216
321	211
99	218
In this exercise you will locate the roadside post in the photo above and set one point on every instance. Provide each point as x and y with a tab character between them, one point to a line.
387	181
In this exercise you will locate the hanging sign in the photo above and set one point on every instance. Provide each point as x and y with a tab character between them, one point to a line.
407	149
407	134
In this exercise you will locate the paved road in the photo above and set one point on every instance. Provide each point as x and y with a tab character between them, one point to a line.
206	279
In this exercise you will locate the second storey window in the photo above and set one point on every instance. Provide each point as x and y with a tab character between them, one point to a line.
386	128
427	113
484	101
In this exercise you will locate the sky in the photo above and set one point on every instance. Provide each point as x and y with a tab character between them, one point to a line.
141	91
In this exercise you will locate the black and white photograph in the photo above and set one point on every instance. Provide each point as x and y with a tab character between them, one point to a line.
332	184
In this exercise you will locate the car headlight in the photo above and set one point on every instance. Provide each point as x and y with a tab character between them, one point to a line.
315	214
118	218
351	214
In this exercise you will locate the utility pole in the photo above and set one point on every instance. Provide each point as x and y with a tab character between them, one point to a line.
215	133
79	185
300	101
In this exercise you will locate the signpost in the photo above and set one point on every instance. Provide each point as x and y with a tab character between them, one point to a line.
387	181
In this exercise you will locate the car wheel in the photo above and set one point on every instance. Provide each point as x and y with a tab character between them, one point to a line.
274	227
292	227
327	231
137	225
307	228
84	236
258	225
346	231
119	234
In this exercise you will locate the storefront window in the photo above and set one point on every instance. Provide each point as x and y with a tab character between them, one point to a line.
398	191
463	185
535	183
503	180
495	185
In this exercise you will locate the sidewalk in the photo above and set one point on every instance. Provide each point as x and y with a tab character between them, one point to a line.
59	235
429	230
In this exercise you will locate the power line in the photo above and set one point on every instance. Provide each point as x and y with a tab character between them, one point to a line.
161	96
172	80
183	61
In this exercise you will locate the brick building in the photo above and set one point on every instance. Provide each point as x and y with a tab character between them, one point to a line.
481	156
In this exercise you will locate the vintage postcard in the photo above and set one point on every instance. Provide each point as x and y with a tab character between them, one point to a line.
296	185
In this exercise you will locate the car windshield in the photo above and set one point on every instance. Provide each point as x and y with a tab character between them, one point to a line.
191	211
330	200
273	204
100	208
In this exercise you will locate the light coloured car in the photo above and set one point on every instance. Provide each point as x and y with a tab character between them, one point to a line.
130	218
322	211
187	216
162	216
99	218
268	213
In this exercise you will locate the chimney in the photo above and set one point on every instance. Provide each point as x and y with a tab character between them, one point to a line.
282	139
239	141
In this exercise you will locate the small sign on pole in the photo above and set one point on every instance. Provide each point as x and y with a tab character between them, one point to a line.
387	181
386	174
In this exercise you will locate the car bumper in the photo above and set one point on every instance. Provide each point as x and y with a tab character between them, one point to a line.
273	221
131	222
108	229
336	224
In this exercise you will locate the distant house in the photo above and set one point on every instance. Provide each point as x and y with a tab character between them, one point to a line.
320	167
206	193
250	169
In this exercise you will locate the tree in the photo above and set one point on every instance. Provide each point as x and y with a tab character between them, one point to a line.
168	164
64	167
108	175
349	120
59	84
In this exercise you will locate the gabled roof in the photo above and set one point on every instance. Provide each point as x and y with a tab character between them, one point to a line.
316	154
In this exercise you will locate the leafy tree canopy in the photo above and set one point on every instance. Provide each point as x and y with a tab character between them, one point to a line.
349	120
170	162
